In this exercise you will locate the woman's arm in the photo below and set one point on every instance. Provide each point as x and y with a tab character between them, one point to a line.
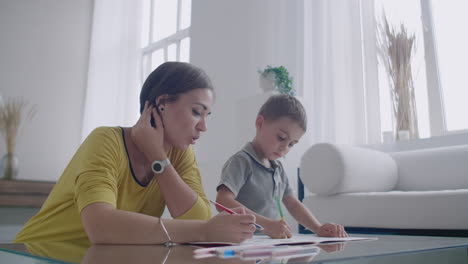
178	195
106	225
187	184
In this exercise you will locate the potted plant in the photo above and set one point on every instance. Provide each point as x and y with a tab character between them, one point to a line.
396	50
276	78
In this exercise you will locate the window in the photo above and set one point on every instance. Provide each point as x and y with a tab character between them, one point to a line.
440	90
449	21
165	33
409	16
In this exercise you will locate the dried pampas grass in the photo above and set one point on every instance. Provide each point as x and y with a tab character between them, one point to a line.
396	50
11	113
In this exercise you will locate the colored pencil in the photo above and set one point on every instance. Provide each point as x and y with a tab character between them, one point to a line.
278	203
222	207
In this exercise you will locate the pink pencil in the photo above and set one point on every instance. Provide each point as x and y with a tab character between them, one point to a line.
222	207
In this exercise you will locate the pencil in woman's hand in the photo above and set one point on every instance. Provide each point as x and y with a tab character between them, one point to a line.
222	207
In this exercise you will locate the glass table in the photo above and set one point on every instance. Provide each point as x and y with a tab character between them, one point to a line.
386	249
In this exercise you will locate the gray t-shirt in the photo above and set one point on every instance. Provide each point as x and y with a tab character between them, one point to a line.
254	185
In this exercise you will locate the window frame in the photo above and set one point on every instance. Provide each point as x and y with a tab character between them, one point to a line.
437	123
163	43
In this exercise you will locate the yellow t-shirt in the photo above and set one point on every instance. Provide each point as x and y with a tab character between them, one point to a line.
100	172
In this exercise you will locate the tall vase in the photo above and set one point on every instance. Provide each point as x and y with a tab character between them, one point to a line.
404	106
9	166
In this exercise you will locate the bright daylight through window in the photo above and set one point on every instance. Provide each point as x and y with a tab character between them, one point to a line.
450	22
440	47
165	33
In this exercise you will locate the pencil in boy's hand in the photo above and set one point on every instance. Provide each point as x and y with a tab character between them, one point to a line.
222	207
278	203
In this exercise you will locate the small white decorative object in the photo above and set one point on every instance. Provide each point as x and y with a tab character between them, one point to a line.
388	137
403	135
276	79
267	82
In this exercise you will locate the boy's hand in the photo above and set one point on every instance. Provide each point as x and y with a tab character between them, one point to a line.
331	230
277	229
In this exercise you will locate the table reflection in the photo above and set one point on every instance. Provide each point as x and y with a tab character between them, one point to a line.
83	252
68	251
149	254
328	248
332	247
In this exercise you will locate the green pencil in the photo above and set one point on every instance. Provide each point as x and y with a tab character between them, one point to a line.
278	202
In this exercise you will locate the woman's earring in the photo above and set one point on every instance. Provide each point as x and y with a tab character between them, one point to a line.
161	109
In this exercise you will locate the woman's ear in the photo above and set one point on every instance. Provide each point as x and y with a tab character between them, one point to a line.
161	102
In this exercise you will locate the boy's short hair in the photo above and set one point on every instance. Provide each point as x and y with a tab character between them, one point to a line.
284	105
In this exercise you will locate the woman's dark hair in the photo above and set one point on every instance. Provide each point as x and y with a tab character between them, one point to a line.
173	78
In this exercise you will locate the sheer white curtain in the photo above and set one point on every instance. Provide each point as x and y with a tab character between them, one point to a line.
340	71
114	65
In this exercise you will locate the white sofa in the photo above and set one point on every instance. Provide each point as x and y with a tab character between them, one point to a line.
362	188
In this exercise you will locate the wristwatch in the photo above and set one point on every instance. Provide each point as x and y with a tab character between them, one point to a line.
158	166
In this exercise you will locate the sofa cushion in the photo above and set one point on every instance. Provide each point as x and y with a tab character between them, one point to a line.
328	169
443	168
446	209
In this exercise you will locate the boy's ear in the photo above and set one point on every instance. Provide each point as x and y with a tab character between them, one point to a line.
259	121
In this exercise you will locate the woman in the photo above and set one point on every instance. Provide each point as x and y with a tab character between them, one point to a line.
120	180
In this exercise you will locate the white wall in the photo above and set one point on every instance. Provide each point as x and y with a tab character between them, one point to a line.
44	51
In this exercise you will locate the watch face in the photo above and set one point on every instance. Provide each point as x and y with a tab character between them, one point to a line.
157	167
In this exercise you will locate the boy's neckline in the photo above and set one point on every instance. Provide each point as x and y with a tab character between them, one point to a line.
264	161
252	151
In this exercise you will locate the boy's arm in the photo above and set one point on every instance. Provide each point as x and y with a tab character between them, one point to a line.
274	229
305	217
302	215
227	198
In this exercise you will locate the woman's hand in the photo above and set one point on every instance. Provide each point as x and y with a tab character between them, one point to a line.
148	139
331	230
230	227
277	229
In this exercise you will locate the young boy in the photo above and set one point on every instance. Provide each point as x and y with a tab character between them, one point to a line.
255	179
